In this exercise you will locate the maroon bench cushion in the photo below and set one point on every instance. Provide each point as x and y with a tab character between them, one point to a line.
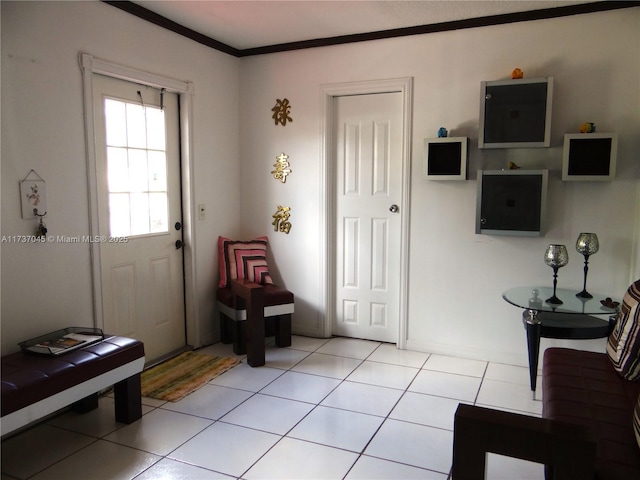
29	378
583	388
273	295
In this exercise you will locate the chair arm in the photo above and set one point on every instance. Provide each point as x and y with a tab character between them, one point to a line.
568	449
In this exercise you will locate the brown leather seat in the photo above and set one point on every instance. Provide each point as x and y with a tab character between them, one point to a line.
583	388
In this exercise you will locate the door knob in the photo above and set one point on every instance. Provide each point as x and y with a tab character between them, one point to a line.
179	244
394	208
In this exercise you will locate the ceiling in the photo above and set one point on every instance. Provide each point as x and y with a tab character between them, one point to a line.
250	24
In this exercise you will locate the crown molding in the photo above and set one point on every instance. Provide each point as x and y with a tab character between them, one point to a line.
541	14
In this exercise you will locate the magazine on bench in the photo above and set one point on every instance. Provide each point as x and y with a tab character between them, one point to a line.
63	341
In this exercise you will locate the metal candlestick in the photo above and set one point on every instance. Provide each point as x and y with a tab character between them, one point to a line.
587	244
556	256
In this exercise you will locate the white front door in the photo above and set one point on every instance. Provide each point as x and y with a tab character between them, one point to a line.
139	214
368	130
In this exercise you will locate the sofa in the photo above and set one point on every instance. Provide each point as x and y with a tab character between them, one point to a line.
590	425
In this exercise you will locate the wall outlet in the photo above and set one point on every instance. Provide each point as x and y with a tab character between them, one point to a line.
202	211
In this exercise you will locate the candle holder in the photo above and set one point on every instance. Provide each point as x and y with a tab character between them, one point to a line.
587	244
556	256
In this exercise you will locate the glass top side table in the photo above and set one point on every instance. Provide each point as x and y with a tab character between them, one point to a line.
572	319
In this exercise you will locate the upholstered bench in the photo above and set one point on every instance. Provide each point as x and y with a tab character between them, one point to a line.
34	386
278	307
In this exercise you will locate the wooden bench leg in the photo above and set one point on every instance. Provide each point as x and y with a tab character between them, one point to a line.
253	296
240	337
86	404
128	398
283	331
226	332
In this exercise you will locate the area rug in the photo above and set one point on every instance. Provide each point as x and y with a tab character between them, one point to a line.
178	377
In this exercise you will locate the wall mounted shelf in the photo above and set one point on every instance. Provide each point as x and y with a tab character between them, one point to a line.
446	158
512	202
515	113
589	156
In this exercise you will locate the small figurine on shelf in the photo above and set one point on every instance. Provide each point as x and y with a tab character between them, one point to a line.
588	127
513	166
517	74
442	132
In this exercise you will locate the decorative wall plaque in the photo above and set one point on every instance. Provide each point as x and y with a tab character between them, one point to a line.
280	219
281	112
282	168
33	196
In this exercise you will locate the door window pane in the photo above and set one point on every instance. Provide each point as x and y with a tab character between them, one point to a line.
136	169
136	126
139	209
157	171
119	223
115	114
138	176
118	169
155	129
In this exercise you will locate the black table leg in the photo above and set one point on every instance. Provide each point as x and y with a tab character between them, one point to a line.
532	325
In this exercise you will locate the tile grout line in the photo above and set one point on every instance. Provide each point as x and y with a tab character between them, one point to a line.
359	454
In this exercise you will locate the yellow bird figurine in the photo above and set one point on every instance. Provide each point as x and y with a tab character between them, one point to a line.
513	166
587	127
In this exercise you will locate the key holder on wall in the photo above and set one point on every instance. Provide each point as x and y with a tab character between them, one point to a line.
42	227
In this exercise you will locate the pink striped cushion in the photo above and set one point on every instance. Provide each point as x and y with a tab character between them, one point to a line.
623	345
246	260
636	421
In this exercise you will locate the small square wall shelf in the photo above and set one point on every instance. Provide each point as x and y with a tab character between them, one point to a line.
589	156
446	158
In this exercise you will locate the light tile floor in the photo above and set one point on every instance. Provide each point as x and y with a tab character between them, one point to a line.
321	409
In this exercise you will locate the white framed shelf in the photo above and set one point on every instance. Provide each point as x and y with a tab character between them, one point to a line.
589	156
446	158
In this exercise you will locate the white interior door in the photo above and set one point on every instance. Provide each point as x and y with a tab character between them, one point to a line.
368	133
139	214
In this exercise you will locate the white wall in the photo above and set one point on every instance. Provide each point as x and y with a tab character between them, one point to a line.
48	286
457	277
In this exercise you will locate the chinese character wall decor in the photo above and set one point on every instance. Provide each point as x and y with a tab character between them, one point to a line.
281	112
282	168
281	217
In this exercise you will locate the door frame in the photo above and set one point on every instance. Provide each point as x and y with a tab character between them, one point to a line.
328	200
185	90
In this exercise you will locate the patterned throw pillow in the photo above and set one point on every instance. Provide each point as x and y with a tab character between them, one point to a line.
623	345
246	260
636	421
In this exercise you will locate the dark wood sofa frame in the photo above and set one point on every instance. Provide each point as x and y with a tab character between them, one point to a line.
586	429
570	449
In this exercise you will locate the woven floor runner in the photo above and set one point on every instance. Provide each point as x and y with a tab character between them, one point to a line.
178	377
